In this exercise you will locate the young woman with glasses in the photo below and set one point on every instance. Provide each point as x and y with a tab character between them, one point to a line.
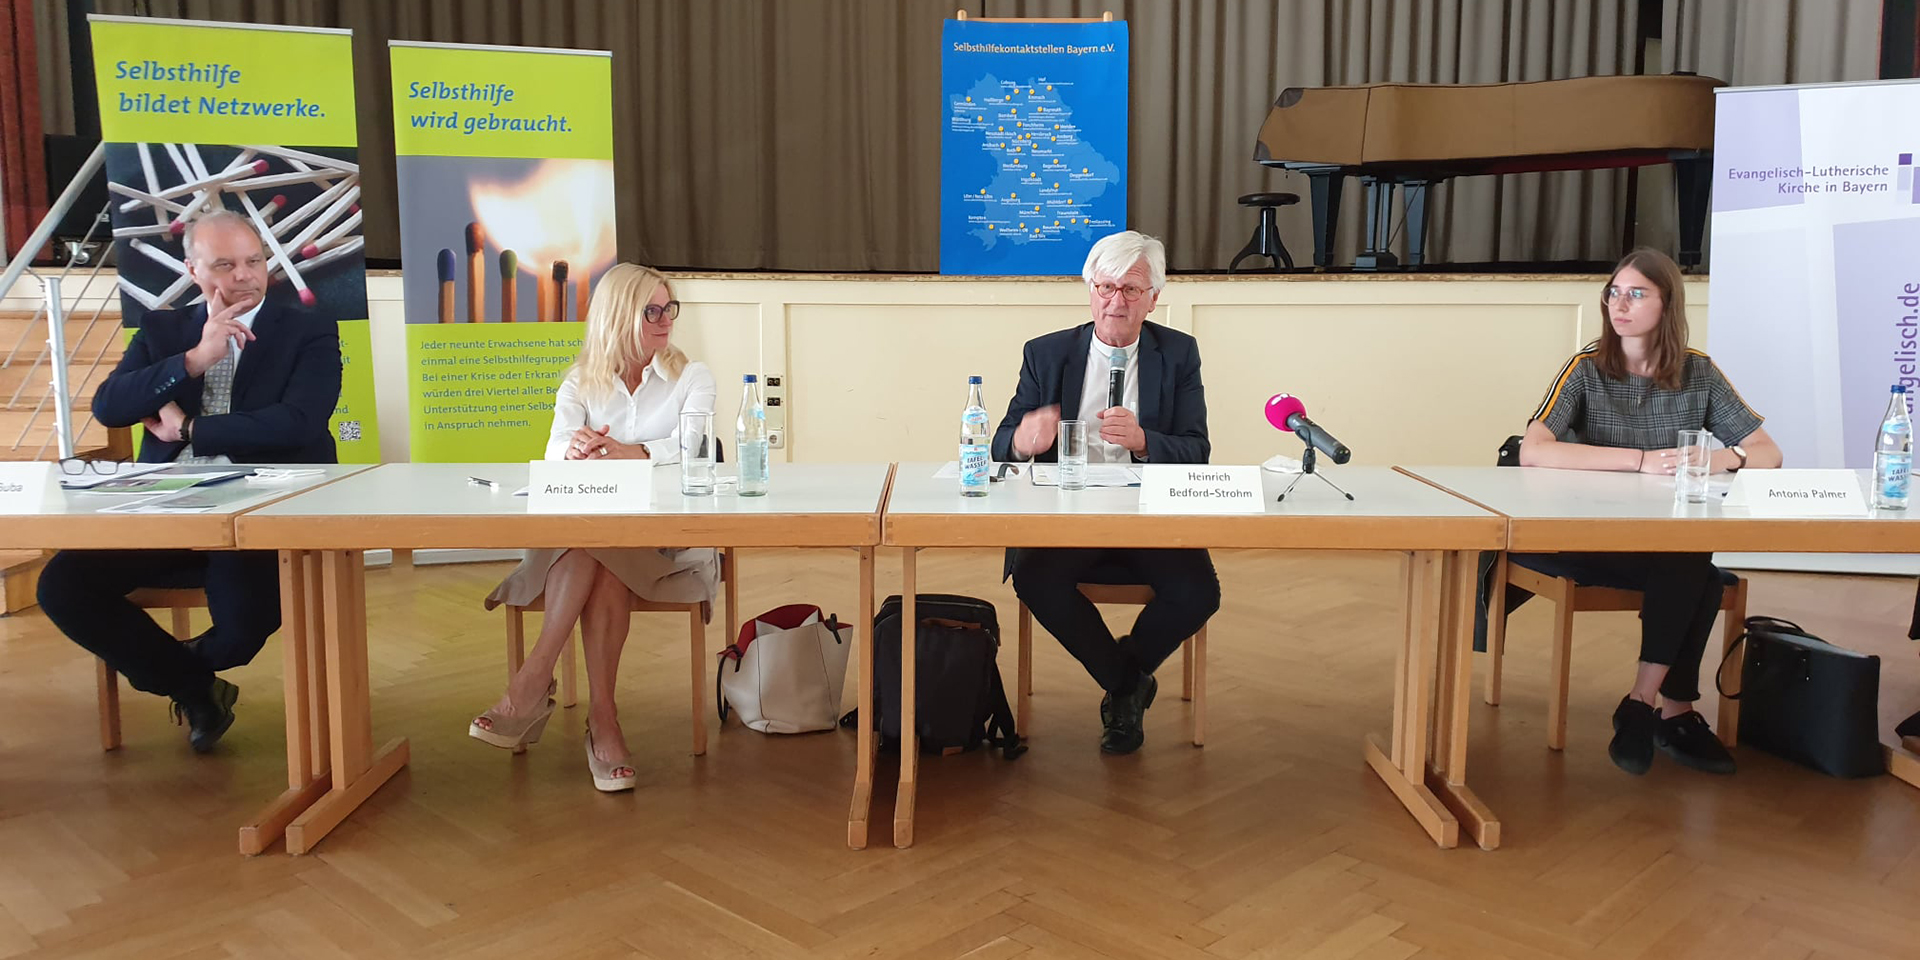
1619	405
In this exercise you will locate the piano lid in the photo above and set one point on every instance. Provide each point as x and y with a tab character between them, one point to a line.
1408	123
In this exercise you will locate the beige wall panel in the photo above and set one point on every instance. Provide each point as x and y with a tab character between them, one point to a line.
882	382
726	337
1399	383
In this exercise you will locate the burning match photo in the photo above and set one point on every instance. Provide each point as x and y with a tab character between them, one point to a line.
510	240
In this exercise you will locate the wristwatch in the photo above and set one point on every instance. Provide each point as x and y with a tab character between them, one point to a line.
1738	451
186	430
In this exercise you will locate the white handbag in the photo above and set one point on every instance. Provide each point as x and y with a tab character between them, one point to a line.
785	672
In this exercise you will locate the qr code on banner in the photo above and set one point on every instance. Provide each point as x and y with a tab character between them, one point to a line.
349	430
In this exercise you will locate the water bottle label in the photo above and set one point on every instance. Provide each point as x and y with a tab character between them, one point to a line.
1894	474
973	465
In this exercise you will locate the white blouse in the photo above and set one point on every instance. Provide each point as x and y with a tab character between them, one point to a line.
649	415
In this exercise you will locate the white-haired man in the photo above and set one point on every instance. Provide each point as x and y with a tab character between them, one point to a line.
242	378
1161	418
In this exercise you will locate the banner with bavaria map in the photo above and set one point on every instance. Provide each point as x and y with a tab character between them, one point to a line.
199	116
1815	289
505	159
1033	145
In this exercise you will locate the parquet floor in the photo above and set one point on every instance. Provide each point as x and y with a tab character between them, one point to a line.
1273	841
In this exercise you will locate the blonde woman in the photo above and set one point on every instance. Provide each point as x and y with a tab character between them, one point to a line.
622	399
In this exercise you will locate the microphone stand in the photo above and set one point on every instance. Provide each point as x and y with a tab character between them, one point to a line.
1308	459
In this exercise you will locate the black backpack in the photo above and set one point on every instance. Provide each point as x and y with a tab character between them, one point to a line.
960	702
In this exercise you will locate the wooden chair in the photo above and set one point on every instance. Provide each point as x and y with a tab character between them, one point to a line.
696	628
180	602
1193	655
1570	598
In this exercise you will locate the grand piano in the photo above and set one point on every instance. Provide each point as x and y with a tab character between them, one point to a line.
1416	135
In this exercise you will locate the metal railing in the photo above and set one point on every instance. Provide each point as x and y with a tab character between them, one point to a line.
53	350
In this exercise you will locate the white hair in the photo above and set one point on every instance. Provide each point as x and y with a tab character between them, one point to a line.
214	219
1116	253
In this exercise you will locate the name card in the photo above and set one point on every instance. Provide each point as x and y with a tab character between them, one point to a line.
1201	488
589	486
1798	493
25	487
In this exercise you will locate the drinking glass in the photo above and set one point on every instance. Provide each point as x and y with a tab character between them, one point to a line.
1692	461
1073	454
696	454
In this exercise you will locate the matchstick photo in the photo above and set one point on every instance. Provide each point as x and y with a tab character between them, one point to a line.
444	266
527	248
509	285
304	203
476	273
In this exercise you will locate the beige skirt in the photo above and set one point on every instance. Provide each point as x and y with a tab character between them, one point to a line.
662	576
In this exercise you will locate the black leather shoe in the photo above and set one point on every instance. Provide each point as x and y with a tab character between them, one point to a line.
1126	731
1634	725
208	716
1690	742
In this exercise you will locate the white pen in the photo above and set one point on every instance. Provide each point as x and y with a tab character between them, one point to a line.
483	481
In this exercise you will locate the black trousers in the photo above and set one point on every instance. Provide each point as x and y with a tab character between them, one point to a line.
1680	596
84	593
1186	592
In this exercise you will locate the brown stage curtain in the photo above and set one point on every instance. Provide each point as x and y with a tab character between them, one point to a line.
23	167
805	134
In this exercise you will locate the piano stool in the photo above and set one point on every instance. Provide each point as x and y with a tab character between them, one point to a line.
1266	233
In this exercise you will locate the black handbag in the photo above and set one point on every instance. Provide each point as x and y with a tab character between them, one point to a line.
1806	700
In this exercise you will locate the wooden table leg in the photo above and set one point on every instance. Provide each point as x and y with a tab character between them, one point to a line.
306	780
862	807
909	739
1402	763
357	769
1446	776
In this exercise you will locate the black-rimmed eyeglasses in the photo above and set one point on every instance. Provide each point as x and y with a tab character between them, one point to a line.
75	466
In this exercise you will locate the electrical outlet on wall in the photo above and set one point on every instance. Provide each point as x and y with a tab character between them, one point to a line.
776	398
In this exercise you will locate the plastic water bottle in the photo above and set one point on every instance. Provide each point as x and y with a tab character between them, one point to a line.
974	452
750	439
1893	454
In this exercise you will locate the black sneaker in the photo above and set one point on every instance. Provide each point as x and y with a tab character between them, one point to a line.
1690	742
1125	731
207	717
1634	726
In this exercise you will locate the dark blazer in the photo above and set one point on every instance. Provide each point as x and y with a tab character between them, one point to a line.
284	390
1173	404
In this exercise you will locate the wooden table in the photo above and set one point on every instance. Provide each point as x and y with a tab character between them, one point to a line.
78	523
1423	759
1553	511
332	765
76	520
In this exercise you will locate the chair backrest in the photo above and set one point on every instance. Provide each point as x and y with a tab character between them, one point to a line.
1510	452
164	598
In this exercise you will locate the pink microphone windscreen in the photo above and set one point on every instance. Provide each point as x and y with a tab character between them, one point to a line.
1280	406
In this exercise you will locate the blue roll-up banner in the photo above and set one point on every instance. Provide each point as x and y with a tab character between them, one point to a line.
1033	153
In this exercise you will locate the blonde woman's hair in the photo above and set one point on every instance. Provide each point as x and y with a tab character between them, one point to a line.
613	330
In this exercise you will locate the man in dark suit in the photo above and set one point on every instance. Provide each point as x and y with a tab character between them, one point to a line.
1161	418
241	379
